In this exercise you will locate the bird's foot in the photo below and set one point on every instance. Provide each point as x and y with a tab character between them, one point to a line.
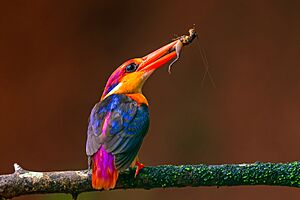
139	166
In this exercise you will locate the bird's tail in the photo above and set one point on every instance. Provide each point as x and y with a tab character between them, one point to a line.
105	174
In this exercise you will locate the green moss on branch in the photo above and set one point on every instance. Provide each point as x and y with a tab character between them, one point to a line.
75	182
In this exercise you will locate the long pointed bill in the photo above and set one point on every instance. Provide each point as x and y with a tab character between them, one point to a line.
158	58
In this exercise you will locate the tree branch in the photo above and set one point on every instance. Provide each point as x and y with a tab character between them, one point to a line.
23	182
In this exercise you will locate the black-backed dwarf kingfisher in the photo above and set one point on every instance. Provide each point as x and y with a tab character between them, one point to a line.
120	121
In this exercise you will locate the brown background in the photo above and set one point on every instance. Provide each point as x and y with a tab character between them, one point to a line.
55	58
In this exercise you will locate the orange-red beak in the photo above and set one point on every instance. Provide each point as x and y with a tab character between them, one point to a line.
158	58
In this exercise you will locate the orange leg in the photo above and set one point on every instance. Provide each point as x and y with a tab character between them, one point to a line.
139	166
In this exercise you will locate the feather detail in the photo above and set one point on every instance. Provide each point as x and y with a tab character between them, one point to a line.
139	98
104	174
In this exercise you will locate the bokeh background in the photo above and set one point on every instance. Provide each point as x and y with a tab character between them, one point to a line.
55	58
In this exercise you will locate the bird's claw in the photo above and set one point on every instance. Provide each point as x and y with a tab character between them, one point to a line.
139	166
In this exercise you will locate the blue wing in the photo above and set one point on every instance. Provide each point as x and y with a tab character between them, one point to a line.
120	125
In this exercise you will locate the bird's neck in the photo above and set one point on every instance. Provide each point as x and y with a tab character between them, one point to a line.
139	98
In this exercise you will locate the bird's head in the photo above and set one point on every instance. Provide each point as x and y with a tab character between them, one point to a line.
132	74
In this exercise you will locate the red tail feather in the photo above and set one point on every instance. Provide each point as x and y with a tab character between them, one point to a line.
105	174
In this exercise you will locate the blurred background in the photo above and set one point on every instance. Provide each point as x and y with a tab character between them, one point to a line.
55	58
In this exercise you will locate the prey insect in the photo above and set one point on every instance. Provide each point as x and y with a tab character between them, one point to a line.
182	41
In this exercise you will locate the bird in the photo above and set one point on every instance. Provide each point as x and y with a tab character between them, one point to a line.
119	122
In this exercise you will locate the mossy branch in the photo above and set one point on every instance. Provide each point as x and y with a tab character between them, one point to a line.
23	182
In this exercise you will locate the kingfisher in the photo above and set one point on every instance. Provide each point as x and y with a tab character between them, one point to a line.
120	121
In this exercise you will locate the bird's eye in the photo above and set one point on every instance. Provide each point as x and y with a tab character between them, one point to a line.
131	67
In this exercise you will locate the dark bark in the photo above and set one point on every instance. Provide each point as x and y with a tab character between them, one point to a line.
23	182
